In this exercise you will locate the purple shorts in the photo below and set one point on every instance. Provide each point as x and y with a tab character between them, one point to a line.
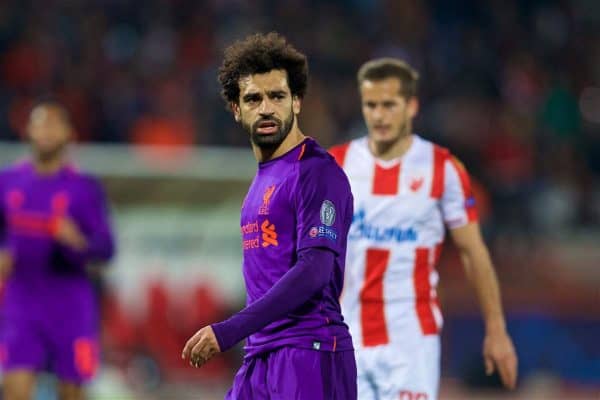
296	374
71	353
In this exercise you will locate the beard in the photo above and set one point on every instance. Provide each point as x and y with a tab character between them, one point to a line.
273	140
404	130
49	154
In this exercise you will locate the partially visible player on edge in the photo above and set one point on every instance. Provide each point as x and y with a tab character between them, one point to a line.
294	224
54	222
406	191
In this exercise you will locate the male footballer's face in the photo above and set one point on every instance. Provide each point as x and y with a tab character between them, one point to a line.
388	114
266	107
49	131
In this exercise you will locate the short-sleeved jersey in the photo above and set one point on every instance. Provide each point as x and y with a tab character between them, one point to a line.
297	201
401	208
48	278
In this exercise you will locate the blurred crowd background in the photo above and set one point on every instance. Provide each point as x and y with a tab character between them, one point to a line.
511	87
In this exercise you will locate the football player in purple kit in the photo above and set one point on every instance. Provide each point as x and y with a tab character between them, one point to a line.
54	222
294	224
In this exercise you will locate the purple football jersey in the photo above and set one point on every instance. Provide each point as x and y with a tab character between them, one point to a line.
49	279
299	200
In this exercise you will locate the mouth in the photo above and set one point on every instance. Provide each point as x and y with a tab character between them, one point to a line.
381	128
267	128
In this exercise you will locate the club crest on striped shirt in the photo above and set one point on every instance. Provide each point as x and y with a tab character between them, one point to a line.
416	183
327	213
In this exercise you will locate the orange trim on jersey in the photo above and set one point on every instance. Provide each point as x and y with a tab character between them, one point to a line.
33	223
334	343
372	313
60	203
86	356
339	153
465	183
423	300
302	151
3	354
386	180
440	155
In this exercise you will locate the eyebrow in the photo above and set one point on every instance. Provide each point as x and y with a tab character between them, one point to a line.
383	102
270	93
251	96
276	92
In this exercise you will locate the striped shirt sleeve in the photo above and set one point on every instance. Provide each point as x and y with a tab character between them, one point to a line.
458	202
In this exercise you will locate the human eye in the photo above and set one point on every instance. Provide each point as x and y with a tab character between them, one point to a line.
278	96
251	98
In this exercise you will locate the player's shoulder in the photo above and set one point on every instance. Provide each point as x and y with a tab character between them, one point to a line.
340	151
426	145
443	157
316	161
15	169
81	177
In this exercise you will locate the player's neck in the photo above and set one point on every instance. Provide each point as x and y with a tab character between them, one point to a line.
48	166
294	138
390	151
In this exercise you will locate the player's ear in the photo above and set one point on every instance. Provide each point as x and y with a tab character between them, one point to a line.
296	104
413	106
235	109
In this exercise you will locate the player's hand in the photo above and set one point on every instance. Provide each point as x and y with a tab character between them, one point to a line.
499	355
69	234
6	264
201	347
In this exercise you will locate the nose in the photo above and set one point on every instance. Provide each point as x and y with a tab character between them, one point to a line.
377	113
266	108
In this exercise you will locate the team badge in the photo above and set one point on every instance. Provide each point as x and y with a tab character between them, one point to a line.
264	208
416	183
327	213
470	202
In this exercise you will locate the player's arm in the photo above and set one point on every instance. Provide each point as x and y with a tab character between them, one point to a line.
312	271
89	238
460	215
97	227
308	276
498	350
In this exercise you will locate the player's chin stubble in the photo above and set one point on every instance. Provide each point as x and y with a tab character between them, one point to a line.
403	131
46	155
274	140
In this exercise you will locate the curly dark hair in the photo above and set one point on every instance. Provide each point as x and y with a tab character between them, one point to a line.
258	54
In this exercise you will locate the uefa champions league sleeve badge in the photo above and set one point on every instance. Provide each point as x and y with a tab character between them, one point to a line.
325	230
327	213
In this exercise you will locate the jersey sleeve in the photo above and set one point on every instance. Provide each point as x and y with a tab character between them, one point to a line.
457	202
94	222
310	274
323	208
97	224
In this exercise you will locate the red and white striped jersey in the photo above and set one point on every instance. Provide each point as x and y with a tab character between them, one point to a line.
400	210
